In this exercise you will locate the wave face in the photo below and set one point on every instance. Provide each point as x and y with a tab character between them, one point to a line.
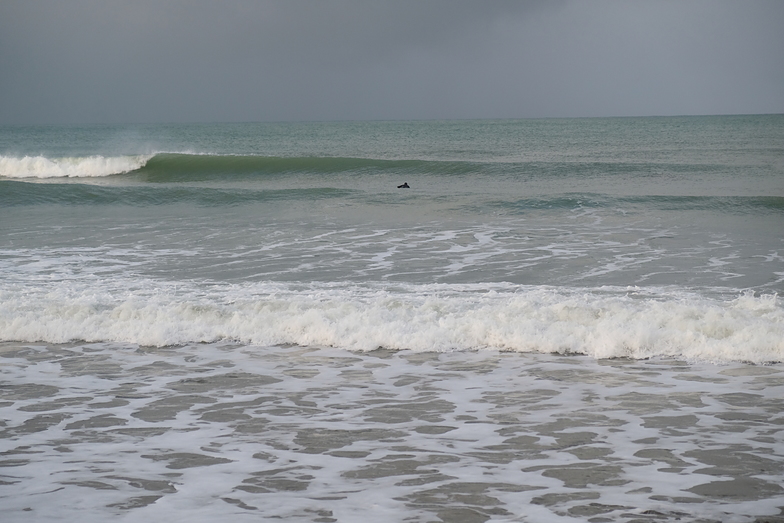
192	167
69	167
603	323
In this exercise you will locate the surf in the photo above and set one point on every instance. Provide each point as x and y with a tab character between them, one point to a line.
171	167
69	167
601	323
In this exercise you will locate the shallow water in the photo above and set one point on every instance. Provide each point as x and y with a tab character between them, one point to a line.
210	432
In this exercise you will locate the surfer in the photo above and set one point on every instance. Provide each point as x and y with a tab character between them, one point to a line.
404	186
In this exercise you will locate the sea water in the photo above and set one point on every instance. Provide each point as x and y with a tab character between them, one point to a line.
566	319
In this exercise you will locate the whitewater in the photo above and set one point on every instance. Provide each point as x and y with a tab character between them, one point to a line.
77	167
606	323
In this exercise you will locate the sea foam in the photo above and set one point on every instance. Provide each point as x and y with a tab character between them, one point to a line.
69	167
595	322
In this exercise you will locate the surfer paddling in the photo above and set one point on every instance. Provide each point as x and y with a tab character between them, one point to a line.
404	186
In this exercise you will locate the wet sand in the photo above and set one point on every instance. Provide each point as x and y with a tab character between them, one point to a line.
91	432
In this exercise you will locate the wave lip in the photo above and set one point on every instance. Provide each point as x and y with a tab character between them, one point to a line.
69	167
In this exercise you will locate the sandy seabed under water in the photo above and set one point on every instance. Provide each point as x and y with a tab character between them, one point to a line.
227	432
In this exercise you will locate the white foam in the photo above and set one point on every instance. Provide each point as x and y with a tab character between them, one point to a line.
69	167
104	437
602	323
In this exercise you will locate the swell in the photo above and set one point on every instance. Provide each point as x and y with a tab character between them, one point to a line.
17	193
13	193
718	204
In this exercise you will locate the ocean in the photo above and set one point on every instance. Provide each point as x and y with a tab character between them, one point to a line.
557	320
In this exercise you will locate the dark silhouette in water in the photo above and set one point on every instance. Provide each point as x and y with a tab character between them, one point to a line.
404	186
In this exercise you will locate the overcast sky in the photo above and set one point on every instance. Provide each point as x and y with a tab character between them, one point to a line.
114	61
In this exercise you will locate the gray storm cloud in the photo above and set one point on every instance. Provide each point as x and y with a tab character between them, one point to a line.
243	60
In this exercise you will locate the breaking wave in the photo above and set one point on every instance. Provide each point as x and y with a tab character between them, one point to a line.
69	167
176	167
603	323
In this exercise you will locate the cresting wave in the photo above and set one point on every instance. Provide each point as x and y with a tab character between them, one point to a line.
168	167
69	167
601	323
